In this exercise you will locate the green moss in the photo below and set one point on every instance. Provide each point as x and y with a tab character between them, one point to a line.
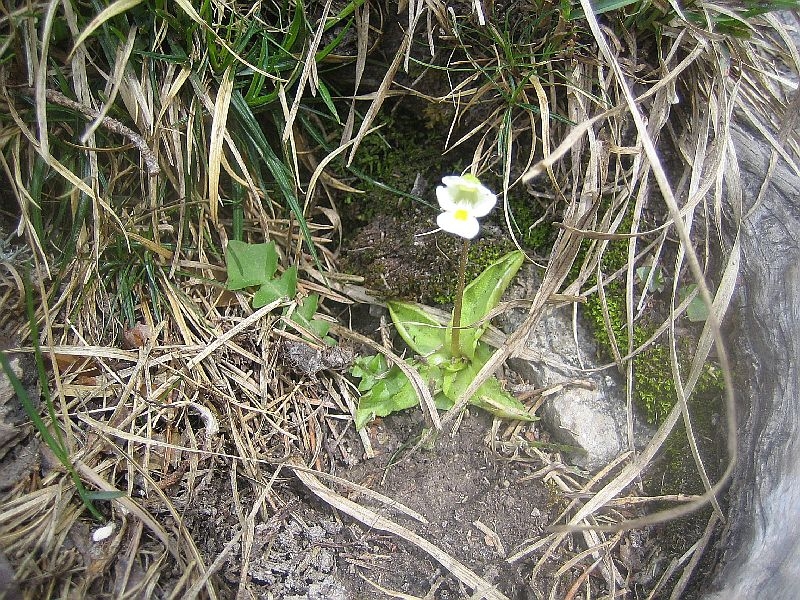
524	217
387	164
654	389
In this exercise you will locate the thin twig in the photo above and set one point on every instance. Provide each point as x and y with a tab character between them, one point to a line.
109	123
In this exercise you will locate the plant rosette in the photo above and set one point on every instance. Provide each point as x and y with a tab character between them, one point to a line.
385	389
448	356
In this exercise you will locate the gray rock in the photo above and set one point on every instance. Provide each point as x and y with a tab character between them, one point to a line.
589	412
760	549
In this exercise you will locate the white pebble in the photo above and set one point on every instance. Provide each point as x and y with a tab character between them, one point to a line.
104	532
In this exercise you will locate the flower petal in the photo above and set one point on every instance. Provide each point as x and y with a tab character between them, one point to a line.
465	227
456	181
465	192
485	203
445	197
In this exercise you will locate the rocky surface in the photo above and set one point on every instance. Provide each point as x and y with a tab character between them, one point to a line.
760	554
589	412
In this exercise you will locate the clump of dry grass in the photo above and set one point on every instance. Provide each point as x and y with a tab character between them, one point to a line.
133	159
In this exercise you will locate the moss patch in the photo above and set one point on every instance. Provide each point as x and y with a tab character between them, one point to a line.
533	223
654	391
389	166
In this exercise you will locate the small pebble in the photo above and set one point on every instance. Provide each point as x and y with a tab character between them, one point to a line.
103	532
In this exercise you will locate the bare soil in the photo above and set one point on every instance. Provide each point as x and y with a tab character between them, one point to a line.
479	506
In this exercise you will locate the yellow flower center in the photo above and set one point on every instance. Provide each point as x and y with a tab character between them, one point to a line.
461	214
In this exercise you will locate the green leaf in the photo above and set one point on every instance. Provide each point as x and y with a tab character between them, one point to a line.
656	281
481	296
304	317
388	390
424	334
390	394
326	98
104	494
490	396
697	311
249	264
493	398
369	369
284	287
321	328
308	307
443	402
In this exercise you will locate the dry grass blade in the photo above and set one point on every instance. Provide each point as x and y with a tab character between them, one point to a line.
381	94
483	589
122	58
222	340
308	75
362	43
218	132
40	80
320	169
696	552
392	593
370	493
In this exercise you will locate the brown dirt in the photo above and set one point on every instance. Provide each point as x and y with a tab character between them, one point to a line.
456	484
307	550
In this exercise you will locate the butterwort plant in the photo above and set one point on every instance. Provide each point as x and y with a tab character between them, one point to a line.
462	200
448	355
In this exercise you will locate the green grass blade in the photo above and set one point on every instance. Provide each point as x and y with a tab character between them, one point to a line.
280	172
53	439
109	12
33	414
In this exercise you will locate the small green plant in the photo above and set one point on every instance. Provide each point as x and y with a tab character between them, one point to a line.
255	266
448	356
651	277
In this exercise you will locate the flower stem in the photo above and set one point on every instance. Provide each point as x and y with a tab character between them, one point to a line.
455	341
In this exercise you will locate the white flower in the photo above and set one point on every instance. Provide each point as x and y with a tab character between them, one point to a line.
463	199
